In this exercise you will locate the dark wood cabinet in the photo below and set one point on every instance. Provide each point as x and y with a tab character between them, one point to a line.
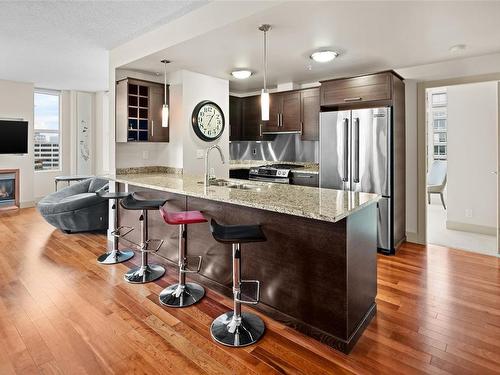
157	133
139	111
251	119
310	108
290	113
284	113
235	117
305	179
346	91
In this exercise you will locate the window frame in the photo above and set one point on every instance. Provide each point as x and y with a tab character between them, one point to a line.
59	131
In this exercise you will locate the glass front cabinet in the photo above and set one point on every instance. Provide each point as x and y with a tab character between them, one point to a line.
138	111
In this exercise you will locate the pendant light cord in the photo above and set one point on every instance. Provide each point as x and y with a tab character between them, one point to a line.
165	85
265	60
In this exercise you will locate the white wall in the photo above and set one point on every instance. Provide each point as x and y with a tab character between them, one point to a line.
16	101
472	154
411	156
196	88
186	90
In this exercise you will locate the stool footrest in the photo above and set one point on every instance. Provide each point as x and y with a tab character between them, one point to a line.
257	293
151	246
122	231
198	267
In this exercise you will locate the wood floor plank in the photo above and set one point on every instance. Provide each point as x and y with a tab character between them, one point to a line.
63	313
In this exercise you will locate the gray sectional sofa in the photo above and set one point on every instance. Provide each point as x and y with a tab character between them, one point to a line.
77	208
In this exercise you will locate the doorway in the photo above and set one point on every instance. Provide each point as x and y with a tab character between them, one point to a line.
461	166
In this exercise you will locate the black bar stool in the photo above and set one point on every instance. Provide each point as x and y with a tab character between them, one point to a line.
146	272
182	294
115	255
236	328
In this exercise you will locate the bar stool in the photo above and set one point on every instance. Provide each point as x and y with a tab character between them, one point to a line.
236	328
182	294
146	272
115	255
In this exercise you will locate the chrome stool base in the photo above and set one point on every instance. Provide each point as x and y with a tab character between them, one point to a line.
115	256
142	275
228	331
178	296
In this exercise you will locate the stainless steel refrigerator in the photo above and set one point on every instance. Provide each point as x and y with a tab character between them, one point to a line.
356	154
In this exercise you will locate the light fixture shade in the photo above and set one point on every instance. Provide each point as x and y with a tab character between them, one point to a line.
324	56
264	105
241	74
164	116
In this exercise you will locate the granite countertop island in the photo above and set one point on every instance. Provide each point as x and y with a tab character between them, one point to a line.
320	204
317	268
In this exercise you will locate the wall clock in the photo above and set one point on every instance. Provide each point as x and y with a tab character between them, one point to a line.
208	120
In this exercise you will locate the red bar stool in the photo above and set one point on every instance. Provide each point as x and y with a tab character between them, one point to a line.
182	294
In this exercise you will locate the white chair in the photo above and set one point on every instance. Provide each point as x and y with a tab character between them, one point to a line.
436	180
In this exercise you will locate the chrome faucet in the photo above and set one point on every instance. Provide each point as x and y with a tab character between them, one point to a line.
207	170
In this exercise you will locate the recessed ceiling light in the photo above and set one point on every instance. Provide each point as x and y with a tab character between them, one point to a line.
241	74
457	48
324	56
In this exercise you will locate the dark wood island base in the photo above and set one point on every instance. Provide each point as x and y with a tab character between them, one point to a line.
317	277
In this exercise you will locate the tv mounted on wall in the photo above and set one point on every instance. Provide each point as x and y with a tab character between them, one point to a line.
13	137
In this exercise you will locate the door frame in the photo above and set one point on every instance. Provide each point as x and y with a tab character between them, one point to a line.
421	235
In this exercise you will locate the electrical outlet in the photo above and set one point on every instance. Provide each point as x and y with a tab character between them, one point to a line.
145	155
468	212
200	154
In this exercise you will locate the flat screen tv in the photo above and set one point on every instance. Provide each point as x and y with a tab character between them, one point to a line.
13	137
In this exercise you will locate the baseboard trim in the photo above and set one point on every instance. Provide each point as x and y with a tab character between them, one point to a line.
413	237
473	228
27	204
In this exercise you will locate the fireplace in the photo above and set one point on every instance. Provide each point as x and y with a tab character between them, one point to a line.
9	188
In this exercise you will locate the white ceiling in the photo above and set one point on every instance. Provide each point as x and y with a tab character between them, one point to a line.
370	36
64	44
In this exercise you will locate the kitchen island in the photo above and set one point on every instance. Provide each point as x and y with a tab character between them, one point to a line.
318	266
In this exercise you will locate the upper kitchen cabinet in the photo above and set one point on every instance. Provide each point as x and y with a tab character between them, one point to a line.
309	112
235	114
138	111
363	89
251	129
284	113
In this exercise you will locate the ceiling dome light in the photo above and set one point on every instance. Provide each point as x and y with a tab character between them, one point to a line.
241	74
457	48
324	56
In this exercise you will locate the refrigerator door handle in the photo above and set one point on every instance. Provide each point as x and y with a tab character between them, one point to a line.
356	150
345	176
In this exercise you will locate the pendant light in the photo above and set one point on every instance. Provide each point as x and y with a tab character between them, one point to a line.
264	96
165	109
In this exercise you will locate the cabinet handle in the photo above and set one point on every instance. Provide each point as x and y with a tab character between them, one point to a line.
278	119
352	99
152	128
281	119
260	130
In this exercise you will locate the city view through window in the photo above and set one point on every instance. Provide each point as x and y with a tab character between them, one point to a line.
47	131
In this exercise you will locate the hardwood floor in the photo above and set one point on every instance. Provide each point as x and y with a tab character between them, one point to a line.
61	312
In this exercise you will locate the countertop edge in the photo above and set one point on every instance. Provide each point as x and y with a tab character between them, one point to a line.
258	206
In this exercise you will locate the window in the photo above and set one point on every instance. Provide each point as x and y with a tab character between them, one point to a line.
47	130
439	99
439	138
440	152
439	124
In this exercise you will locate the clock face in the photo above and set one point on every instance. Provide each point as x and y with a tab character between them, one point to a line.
208	121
